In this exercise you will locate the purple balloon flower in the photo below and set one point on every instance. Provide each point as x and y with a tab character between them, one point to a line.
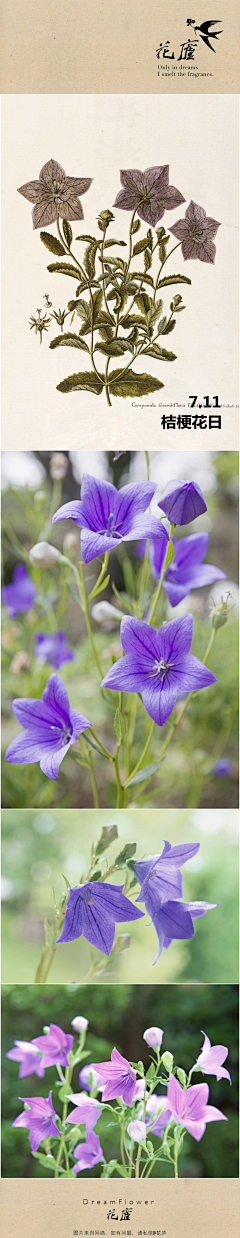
92	911
88	1154
108	516
158	664
29	1058
190	1108
50	729
55	1047
85	1079
196	232
20	594
171	919
187	570
87	1111
39	1119
210	1059
118	1078
151	189
222	769
157	1114
53	648
182	501
162	872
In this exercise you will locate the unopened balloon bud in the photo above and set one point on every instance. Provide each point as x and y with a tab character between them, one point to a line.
44	555
71	545
167	1059
59	466
182	1077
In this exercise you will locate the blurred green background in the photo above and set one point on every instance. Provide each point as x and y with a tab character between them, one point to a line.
209	730
38	847
118	1016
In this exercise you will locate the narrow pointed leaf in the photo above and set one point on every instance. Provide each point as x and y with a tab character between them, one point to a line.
67	232
142	774
173	279
154	350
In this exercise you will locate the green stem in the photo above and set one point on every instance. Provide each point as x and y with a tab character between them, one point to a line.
88	621
105	750
94	785
160	582
143	581
119	785
100	577
141	758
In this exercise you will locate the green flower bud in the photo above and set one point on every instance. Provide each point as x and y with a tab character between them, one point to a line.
182	1076
167	1059
219	614
104	219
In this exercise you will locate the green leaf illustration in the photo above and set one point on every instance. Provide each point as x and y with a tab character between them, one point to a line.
64	268
70	340
83	382
113	242
115	348
130	384
173	279
52	243
67	230
143	302
154	350
89	258
85	237
133	320
141	245
136	225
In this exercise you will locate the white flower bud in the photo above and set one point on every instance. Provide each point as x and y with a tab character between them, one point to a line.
79	1024
59	465
137	1131
153	1036
167	1059
102	612
44	555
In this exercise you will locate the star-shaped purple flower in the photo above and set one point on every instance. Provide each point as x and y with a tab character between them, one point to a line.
87	1154
162	872
157	1114
190	1108
20	594
187	570
182	501
172	920
148	192
108	516
196	232
39	1119
92	911
55	194
211	1058
55	1047
50	729
87	1111
29	1058
53	648
88	1077
117	1077
158	664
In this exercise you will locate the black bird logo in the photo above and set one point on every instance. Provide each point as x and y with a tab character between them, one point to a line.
205	35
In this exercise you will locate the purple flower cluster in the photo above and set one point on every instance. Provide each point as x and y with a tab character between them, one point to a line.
161	885
20	594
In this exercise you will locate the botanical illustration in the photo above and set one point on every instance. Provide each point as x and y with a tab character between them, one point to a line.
155	675
123	311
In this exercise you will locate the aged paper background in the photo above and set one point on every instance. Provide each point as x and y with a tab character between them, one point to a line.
110	46
95	136
184	1209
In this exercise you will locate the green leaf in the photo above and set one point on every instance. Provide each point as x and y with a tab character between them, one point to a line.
155	311
170	554
143	302
147	772
173	279
99	750
166	327
81	307
97	301
74	596
133	320
106	332
112	348
96	876
154	350
151	1071
105	320
108	243
64	268
130	384
85	237
70	340
136	225
115	262
126	854
147	259
119	726
140	246
89	258
67	232
83	382
52	243
147	278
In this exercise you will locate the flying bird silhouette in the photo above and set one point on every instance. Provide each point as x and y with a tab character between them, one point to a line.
203	30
